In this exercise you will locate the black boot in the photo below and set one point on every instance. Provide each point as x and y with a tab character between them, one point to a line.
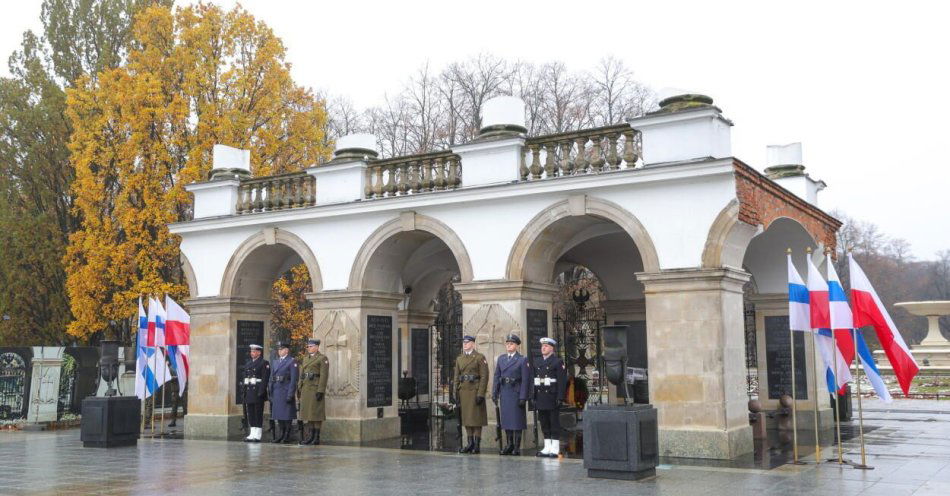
287	430
300	427
478	446
517	444
278	433
469	447
509	446
308	440
316	438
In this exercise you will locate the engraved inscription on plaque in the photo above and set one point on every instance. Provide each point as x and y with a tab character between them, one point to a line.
779	359
419	347
379	361
248	332
537	329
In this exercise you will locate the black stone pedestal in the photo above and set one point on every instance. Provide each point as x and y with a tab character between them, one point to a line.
620	441
108	422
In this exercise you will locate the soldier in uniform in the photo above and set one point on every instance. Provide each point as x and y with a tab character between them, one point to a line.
282	392
550	383
254	377
311	389
471	384
510	393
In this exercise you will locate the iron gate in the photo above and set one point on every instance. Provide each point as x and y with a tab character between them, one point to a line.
13	386
446	346
578	331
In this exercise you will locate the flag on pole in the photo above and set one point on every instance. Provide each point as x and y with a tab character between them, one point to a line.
869	311
841	320
146	358
178	339
870	369
156	323
819	298
798	310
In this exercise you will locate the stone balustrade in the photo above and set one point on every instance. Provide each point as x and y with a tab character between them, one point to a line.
588	151
436	171
280	192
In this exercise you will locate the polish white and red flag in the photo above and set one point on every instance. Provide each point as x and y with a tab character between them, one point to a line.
178	339
868	310
837	372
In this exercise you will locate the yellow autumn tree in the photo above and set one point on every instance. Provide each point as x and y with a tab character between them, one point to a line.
194	78
292	314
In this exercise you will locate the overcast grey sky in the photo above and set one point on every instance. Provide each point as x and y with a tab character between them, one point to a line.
864	85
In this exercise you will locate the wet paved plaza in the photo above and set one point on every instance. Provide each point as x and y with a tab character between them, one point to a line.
908	444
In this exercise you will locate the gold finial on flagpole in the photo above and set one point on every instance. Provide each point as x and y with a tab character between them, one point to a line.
808	250
788	251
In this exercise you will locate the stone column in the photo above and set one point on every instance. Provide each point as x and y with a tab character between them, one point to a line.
44	384
493	309
696	352
340	322
213	412
776	305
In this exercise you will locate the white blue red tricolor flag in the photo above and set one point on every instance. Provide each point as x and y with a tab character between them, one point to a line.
837	372
156	323
869	311
147	361
178	339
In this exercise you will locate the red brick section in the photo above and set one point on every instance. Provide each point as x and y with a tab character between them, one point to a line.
761	201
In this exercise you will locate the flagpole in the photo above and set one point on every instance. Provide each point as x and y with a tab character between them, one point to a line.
791	340
814	385
857	383
164	372
138	330
834	351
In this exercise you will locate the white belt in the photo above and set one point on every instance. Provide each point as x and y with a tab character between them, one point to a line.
251	380
547	381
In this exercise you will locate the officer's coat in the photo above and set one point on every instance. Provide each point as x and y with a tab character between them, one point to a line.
314	371
255	369
475	364
283	387
514	369
546	396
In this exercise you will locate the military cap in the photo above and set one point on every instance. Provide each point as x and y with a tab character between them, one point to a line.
468	338
256	347
283	345
315	342
549	341
513	338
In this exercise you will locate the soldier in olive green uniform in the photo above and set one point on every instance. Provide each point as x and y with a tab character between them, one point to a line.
471	384
311	388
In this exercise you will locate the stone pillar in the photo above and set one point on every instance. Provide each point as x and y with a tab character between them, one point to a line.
776	305
44	384
340	322
213	411
696	351
493	309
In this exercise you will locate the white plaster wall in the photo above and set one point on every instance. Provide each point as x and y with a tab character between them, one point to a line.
209	252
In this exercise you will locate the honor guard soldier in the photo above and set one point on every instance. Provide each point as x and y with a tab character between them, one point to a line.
254	378
510	393
550	384
471	384
282	392
311	389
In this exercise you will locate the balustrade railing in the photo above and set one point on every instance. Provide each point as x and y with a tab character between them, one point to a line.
284	191
588	151
436	171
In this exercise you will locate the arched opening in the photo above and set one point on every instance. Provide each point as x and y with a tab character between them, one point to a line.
593	259
415	261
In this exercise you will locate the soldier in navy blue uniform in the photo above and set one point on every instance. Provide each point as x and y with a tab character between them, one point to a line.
254	377
510	393
283	391
549	386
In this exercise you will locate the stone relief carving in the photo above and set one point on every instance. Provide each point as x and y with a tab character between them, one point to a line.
490	324
340	339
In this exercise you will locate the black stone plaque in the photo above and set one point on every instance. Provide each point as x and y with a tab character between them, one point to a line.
420	359
248	332
779	359
379	361
537	329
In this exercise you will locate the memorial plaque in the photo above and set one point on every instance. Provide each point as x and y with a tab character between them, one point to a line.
248	332
537	329
379	361
419	348
779	359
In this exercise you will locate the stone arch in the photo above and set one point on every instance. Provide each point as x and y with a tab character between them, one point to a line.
728	238
189	274
409	221
269	237
765	255
580	205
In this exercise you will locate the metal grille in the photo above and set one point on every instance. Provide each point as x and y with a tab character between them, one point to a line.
12	386
751	359
579	331
446	345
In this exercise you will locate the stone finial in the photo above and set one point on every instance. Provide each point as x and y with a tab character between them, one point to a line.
684	101
360	146
784	161
230	163
502	116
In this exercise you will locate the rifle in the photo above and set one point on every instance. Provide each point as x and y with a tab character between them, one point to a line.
244	424
454	398
498	425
